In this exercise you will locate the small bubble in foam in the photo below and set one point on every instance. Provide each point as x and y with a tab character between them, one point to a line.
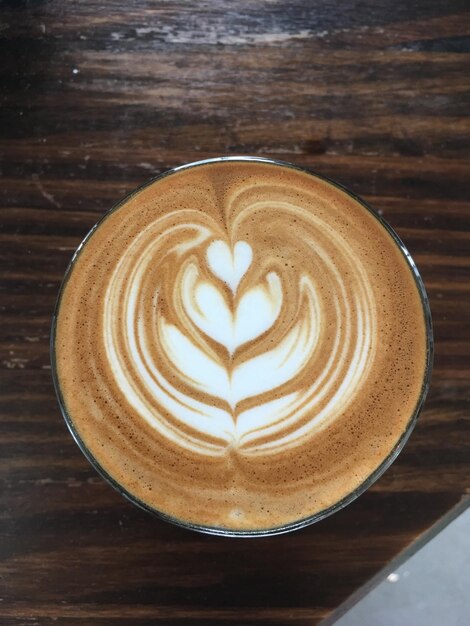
236	514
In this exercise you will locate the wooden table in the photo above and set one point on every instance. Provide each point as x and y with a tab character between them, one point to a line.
99	96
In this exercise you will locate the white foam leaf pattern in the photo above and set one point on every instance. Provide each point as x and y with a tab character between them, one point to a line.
229	265
273	368
205	410
262	373
188	410
196	366
208	309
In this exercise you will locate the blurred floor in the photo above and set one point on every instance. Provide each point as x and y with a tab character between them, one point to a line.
432	588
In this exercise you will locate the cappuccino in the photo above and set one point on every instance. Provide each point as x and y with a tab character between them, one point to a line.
240	345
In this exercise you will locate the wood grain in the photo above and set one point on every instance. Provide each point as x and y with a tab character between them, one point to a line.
96	97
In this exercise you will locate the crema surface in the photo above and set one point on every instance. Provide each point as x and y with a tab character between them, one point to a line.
240	344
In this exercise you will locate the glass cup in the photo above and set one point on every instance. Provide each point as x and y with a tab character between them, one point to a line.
301	523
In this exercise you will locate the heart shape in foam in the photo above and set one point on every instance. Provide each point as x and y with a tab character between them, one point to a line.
229	265
256	312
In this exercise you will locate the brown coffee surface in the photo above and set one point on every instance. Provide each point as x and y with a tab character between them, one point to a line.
240	344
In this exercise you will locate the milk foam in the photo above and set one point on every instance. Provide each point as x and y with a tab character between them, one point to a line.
240	337
231	318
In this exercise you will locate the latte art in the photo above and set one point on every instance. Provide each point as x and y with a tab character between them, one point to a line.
257	398
239	331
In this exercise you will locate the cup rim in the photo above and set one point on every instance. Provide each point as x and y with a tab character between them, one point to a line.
337	506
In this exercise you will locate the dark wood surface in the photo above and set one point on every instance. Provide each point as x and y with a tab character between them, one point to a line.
96	97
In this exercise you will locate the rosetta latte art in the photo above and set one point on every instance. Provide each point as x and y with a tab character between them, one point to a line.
240	345
223	396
